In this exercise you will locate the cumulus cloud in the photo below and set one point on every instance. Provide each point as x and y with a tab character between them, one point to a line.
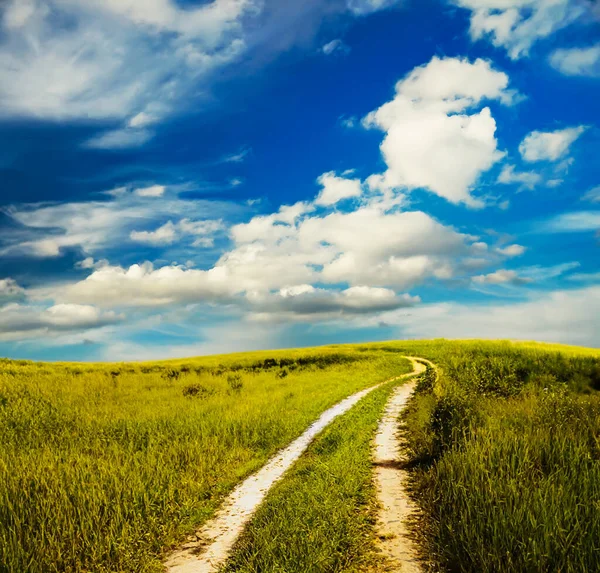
306	303
297	246
526	179
336	189
170	232
516	25
164	235
430	140
18	322
577	61
512	250
549	145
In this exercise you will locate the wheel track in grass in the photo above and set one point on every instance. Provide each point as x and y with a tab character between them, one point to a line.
391	477
215	540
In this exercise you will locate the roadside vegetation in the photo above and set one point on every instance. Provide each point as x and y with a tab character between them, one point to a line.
103	468
505	445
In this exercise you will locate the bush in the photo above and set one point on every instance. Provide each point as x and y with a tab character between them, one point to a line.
196	390
235	382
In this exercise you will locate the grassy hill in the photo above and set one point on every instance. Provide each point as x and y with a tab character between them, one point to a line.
105	467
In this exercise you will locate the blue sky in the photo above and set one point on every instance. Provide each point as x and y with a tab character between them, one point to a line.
183	178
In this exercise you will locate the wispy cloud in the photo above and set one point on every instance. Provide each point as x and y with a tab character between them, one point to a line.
577	61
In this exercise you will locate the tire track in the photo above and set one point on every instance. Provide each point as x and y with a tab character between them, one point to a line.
217	537
391	478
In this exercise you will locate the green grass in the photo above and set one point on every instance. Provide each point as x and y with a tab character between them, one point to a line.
104	467
507	451
321	516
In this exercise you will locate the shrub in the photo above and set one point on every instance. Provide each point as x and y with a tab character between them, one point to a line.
235	382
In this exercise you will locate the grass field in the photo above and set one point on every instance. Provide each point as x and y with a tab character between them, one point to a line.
506	447
104	467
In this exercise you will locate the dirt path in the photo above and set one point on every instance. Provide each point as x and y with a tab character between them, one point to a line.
213	543
390	479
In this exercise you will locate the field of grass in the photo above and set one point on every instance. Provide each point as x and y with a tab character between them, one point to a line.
104	467
506	444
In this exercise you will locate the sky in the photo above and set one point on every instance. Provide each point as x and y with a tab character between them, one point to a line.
180	178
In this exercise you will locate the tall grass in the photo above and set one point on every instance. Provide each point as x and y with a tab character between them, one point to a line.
506	444
104	467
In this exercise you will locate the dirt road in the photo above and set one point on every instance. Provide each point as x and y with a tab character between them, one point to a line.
216	539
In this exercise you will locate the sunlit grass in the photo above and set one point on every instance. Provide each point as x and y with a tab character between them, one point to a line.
104	467
321	517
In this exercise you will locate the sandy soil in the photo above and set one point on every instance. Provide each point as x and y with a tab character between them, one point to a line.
396	507
213	543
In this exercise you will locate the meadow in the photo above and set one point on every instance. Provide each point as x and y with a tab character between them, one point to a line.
105	467
505	448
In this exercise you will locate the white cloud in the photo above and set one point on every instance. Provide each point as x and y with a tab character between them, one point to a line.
501	277
348	122
143	285
122	61
431	142
544	316
549	145
19	321
169	233
152	191
578	221
363	7
516	25
577	61
336	46
164	235
296	247
98	225
306	303
593	195
336	189
527	179
10	291
512	250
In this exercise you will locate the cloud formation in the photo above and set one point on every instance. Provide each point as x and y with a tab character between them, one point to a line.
577	61
112	220
19	322
527	179
431	141
116	60
516	25
549	145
